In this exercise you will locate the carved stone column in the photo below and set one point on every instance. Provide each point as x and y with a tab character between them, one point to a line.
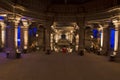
41	37
81	36
47	32
11	39
106	39
116	43
115	51
24	34
2	34
119	40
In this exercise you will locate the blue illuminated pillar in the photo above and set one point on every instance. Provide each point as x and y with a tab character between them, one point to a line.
1	18
114	34
19	36
95	33
105	44
112	38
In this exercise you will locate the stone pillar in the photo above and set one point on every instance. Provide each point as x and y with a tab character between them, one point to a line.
116	46
41	37
74	42
106	39
52	41
47	33
24	35
11	46
115	51
48	38
44	39
119	40
2	34
81	37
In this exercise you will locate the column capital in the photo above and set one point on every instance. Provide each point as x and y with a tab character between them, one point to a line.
116	23
80	25
25	22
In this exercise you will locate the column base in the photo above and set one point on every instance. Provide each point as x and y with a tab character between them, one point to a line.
112	58
81	52
48	52
24	50
13	55
18	55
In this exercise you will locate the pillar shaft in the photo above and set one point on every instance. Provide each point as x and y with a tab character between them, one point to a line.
47	39
24	34
81	38
10	40
44	39
25	38
2	34
106	39
116	45
119	40
47	32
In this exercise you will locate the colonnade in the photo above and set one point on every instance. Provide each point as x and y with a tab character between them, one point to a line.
14	36
109	35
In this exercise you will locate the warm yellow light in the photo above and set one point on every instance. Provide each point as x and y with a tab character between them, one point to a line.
67	36
76	47
71	31
56	49
115	21
51	41
25	39
37	35
3	33
101	38
116	42
77	39
57	37
4	15
91	36
77	42
25	32
16	35
3	37
70	50
52	27
25	47
71	37
25	24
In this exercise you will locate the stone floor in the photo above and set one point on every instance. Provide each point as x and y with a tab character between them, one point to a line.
59	66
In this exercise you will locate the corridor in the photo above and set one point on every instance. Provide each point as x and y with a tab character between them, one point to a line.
38	66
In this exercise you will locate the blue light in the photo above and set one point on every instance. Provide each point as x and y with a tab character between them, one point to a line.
30	32
33	31
18	39
95	33
112	38
1	18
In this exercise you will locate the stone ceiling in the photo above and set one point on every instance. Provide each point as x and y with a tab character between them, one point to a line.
69	1
58	10
63	6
